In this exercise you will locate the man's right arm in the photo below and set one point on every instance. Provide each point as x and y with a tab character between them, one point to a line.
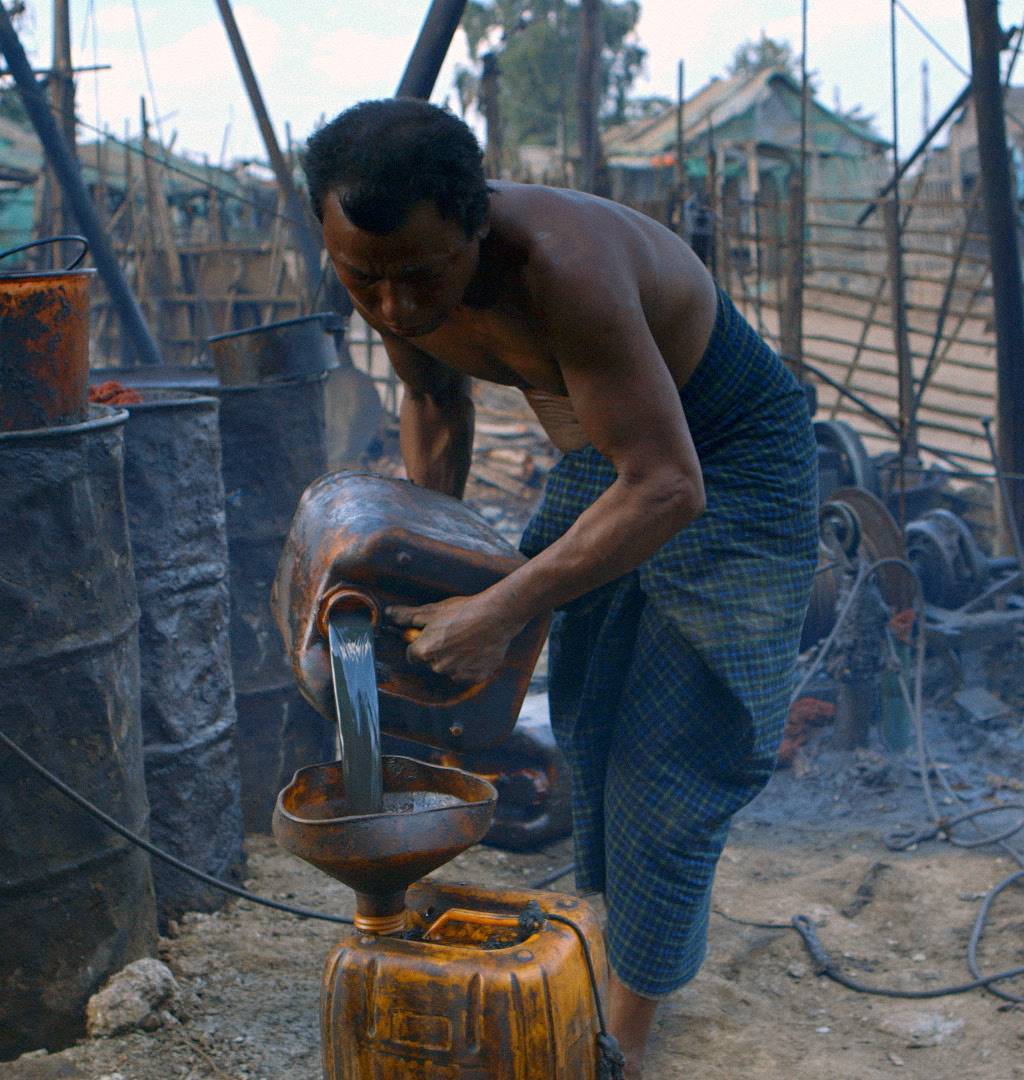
435	419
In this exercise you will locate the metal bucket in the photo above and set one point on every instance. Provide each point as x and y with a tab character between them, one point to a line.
175	502
278	351
44	348
76	900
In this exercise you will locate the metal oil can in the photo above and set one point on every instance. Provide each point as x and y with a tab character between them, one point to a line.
365	540
465	996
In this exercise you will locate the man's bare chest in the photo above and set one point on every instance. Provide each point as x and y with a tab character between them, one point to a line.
495	348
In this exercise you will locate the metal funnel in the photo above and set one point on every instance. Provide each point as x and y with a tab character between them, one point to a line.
431	814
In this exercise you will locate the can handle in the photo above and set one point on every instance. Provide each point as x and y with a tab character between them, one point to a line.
52	240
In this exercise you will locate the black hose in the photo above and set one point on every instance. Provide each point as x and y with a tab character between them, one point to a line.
611	1063
551	878
823	966
156	852
979	929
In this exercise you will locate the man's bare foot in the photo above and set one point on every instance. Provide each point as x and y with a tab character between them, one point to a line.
629	1020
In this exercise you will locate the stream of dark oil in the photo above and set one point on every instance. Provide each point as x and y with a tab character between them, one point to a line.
358	710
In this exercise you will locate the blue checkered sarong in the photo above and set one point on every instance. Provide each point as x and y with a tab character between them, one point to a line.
669	687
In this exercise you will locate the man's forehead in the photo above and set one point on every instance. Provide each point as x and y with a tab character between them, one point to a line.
424	238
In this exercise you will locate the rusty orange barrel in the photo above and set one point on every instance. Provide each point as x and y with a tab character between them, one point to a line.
467	994
44	348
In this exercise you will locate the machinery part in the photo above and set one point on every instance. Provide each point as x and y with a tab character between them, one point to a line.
950	564
840	528
926	487
44	348
76	905
879	538
855	468
175	500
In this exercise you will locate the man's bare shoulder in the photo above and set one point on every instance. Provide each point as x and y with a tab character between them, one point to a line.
595	268
581	248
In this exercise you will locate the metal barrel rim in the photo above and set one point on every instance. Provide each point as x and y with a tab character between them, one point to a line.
102	416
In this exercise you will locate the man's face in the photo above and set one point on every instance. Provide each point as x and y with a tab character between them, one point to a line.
406	282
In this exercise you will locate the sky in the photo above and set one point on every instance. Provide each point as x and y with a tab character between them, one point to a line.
314	59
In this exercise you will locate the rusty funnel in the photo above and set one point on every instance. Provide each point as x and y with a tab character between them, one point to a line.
431	814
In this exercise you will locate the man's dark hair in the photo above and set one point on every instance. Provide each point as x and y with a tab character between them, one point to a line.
383	157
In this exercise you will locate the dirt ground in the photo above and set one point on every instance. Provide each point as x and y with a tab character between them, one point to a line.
249	976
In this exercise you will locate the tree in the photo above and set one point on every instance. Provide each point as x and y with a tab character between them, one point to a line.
754	56
536	45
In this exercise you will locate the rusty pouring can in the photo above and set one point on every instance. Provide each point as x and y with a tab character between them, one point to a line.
44	348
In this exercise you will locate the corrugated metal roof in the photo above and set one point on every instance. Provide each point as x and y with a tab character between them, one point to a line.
721	101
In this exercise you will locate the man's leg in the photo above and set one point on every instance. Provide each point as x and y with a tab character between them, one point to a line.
629	1019
667	808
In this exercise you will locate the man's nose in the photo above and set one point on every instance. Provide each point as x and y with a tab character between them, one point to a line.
397	305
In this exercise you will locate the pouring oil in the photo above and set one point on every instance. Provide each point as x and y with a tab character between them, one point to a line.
358	710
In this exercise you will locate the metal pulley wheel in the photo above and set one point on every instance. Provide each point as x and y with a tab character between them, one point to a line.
855	468
952	567
839	527
860	519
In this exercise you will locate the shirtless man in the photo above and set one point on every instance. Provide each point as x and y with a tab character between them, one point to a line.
676	539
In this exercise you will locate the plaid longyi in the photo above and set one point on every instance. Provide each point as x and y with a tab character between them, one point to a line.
669	687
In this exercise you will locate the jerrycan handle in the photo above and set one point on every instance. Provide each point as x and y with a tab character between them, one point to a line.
464	925
345	598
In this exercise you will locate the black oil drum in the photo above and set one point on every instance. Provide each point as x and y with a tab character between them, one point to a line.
273	444
76	900
275	440
277	351
175	499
